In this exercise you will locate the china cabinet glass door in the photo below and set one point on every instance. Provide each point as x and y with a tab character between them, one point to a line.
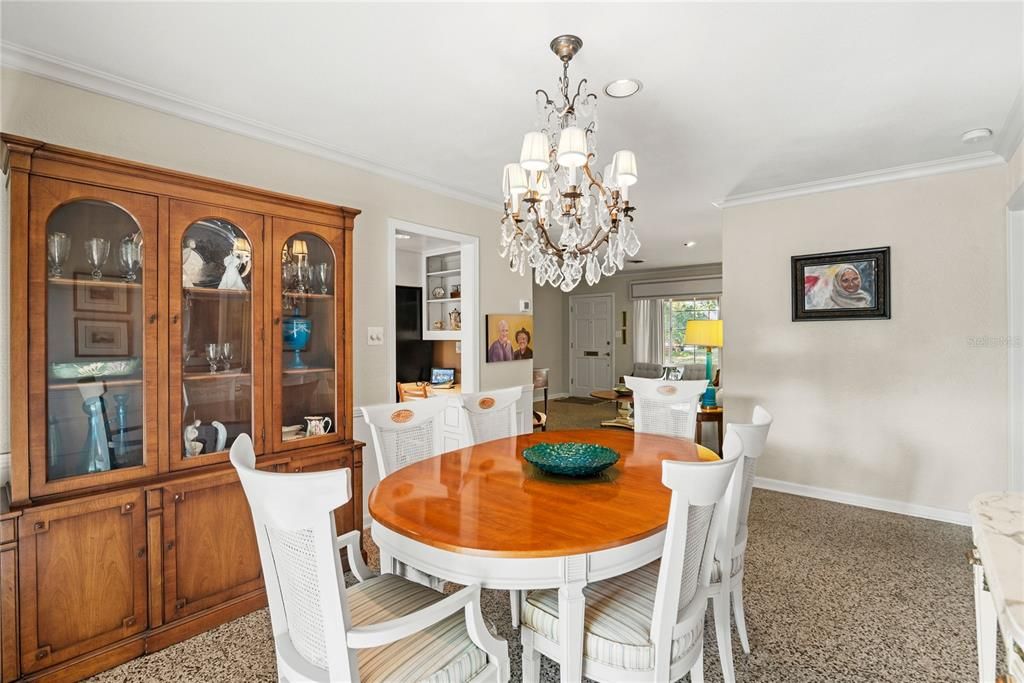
216	356
306	350
93	254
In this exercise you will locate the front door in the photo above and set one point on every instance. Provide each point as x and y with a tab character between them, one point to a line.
590	343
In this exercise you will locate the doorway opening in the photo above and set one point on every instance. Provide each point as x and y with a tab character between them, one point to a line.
432	306
1015	336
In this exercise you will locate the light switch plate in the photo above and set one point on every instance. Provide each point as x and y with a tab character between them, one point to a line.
525	306
375	336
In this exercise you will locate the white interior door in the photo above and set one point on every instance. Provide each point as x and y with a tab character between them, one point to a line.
590	343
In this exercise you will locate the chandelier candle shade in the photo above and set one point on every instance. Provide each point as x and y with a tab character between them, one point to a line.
563	219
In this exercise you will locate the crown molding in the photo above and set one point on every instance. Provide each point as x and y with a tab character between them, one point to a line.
92	80
1009	137
884	175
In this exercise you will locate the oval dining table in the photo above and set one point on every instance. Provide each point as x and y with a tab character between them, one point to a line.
484	515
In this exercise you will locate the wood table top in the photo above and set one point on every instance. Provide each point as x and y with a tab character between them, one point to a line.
487	500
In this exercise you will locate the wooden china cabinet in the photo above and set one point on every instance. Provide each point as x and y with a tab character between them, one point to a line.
155	317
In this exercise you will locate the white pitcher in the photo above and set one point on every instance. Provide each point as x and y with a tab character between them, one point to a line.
316	425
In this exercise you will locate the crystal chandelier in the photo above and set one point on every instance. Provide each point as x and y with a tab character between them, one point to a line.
559	213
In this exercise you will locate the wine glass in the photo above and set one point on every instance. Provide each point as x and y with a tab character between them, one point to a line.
227	353
213	356
323	273
97	250
58	248
131	258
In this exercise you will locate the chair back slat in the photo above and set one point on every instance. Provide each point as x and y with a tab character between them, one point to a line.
293	516
753	437
491	414
404	433
666	407
697	516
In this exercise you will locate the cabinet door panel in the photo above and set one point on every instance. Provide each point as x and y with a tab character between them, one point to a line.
83	577
94	307
308	352
210	551
216	331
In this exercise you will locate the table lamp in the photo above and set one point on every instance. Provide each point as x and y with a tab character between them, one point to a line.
706	333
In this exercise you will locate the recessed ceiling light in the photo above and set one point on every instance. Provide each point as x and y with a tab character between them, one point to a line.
623	87
689	245
634	260
976	135
402	236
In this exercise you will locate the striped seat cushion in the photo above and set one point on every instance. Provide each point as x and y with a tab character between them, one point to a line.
617	621
441	653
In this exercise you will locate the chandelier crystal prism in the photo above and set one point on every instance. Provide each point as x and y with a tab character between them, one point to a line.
563	219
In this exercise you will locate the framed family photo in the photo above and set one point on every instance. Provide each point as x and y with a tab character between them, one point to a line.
842	285
509	337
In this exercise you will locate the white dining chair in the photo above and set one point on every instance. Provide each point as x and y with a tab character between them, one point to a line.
491	414
648	624
666	407
732	552
402	434
383	628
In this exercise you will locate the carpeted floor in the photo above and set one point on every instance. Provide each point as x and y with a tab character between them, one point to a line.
833	593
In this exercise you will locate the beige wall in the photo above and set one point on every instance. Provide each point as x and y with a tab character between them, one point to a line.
56	113
551	308
909	409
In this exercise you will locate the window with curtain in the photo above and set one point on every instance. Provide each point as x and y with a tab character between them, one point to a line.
675	314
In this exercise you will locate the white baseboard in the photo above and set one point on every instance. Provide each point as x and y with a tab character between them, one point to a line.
884	504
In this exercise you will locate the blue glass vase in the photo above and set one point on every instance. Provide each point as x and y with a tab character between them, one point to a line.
296	333
96	453
121	435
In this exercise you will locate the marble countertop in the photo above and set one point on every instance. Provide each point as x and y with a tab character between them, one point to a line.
998	523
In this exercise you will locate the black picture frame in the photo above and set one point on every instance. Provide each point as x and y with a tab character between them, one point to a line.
881	299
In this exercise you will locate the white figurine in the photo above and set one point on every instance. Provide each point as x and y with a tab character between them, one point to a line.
192	446
191	265
232	278
222	435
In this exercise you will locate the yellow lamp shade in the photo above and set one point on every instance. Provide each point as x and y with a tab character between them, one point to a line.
703	333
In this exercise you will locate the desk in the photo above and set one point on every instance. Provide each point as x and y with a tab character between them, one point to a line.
483	515
624	403
715	415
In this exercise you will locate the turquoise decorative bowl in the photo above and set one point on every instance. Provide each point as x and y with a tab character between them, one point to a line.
571	459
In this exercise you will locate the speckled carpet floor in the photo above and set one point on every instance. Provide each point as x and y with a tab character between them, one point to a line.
833	593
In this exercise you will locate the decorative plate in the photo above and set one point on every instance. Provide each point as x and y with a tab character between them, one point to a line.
437	292
94	368
571	459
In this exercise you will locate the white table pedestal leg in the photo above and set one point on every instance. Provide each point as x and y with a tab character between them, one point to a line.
571	608
985	621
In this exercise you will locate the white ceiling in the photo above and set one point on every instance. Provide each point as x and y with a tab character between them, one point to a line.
737	98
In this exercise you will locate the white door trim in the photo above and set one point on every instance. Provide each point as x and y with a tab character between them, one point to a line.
1015	338
611	331
470	245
